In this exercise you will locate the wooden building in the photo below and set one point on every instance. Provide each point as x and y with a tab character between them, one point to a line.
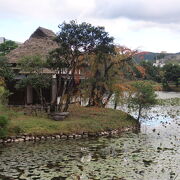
41	42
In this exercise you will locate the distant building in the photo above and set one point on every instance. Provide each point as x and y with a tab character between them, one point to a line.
159	63
2	40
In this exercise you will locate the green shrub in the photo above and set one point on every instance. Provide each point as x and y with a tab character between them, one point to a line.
3	125
3	121
17	130
3	132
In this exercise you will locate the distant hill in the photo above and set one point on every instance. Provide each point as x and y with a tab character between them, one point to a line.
151	56
172	58
145	56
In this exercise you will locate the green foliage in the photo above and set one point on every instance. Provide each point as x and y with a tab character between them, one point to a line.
106	70
6	75
6	47
100	79
33	67
171	73
5	69
76	41
17	130
4	93
3	125
137	72
37	81
118	98
143	96
32	64
84	37
152	72
3	121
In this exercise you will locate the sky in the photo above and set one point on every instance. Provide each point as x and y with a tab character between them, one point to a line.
146	25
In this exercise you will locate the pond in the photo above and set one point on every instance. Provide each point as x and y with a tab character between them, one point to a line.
152	154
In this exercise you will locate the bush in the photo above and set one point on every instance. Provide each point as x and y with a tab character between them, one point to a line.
3	125
17	130
143	97
4	93
3	121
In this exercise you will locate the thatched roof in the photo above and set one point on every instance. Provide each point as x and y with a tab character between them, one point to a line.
40	43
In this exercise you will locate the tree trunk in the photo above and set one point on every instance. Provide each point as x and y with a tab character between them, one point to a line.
107	100
69	90
41	98
67	104
115	105
139	113
60	105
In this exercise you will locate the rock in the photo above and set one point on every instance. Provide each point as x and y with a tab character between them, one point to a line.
27	138
77	136
37	139
58	118
9	140
71	136
57	136
63	137
60	114
42	138
85	135
91	134
48	137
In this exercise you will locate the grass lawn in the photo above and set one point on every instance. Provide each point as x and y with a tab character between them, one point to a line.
81	119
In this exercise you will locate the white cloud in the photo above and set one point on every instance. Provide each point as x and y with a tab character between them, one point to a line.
150	10
149	24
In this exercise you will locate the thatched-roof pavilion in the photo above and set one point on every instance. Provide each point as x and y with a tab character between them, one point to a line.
40	43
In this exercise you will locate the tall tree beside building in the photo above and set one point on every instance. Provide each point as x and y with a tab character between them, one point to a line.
75	41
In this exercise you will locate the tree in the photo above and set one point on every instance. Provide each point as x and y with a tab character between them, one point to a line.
5	70
120	94
7	46
142	96
171	73
75	42
33	67
151	72
105	70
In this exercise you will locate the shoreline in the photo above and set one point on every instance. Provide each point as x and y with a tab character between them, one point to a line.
37	138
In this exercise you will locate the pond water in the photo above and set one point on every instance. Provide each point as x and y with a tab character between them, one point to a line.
152	154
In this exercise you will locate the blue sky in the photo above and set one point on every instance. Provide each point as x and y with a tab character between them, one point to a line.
150	25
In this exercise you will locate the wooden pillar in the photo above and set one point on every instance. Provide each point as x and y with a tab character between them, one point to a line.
54	89
29	95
